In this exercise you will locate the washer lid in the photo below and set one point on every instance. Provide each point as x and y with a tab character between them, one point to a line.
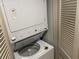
24	13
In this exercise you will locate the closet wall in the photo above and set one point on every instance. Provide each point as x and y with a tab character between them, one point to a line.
52	34
49	35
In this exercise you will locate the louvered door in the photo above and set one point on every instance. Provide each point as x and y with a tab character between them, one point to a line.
5	47
4	50
68	23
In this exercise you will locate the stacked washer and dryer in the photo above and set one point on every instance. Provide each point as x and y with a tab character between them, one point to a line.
26	22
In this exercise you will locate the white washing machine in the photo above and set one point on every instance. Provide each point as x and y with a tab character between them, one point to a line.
26	21
42	51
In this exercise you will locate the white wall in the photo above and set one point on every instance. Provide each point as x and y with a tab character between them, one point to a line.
52	34
49	35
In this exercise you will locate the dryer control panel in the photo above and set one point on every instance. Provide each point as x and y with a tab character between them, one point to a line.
24	18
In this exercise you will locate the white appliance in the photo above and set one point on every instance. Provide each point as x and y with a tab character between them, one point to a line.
46	51
26	21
